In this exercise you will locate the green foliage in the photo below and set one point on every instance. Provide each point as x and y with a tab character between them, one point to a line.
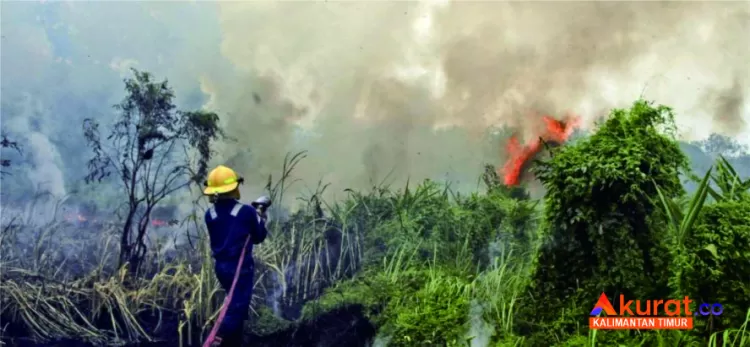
506	218
414	307
370	293
265	322
602	232
681	223
436	314
731	186
201	129
715	266
710	249
449	229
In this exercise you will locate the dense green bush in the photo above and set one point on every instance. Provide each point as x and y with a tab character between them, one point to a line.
601	226
437	314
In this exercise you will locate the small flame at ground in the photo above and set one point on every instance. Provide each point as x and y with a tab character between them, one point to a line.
555	131
71	217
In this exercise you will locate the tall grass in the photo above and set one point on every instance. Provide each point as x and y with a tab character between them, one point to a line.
47	294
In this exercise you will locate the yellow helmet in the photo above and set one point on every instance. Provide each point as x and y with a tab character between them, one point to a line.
221	180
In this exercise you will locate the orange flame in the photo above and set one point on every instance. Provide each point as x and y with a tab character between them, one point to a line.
75	217
555	131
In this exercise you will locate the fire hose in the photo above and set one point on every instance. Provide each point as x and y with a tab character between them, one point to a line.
261	204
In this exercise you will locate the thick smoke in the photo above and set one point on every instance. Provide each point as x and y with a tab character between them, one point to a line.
43	156
380	90
372	80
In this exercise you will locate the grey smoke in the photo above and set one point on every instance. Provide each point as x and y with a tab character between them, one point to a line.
480	330
730	108
46	170
381	340
375	94
45	164
402	88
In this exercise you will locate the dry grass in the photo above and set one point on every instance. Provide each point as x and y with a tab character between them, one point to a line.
76	294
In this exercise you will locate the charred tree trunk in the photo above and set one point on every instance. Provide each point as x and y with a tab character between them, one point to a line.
139	245
126	247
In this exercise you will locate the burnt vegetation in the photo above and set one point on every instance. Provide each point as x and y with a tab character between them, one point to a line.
409	266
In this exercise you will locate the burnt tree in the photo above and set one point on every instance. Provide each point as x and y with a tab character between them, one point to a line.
152	150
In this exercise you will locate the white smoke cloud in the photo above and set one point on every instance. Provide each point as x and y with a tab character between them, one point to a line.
480	331
45	170
46	165
369	82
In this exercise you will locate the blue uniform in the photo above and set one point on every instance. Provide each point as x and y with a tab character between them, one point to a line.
229	223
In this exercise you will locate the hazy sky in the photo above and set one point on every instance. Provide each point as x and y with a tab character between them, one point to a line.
370	80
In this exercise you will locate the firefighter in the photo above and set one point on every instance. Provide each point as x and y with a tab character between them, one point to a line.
229	224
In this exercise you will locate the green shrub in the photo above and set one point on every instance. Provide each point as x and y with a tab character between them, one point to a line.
715	266
372	293
495	217
435	315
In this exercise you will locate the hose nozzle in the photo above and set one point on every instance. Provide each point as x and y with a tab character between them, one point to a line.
262	203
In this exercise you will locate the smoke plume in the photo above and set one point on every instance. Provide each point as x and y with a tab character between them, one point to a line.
391	90
376	81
